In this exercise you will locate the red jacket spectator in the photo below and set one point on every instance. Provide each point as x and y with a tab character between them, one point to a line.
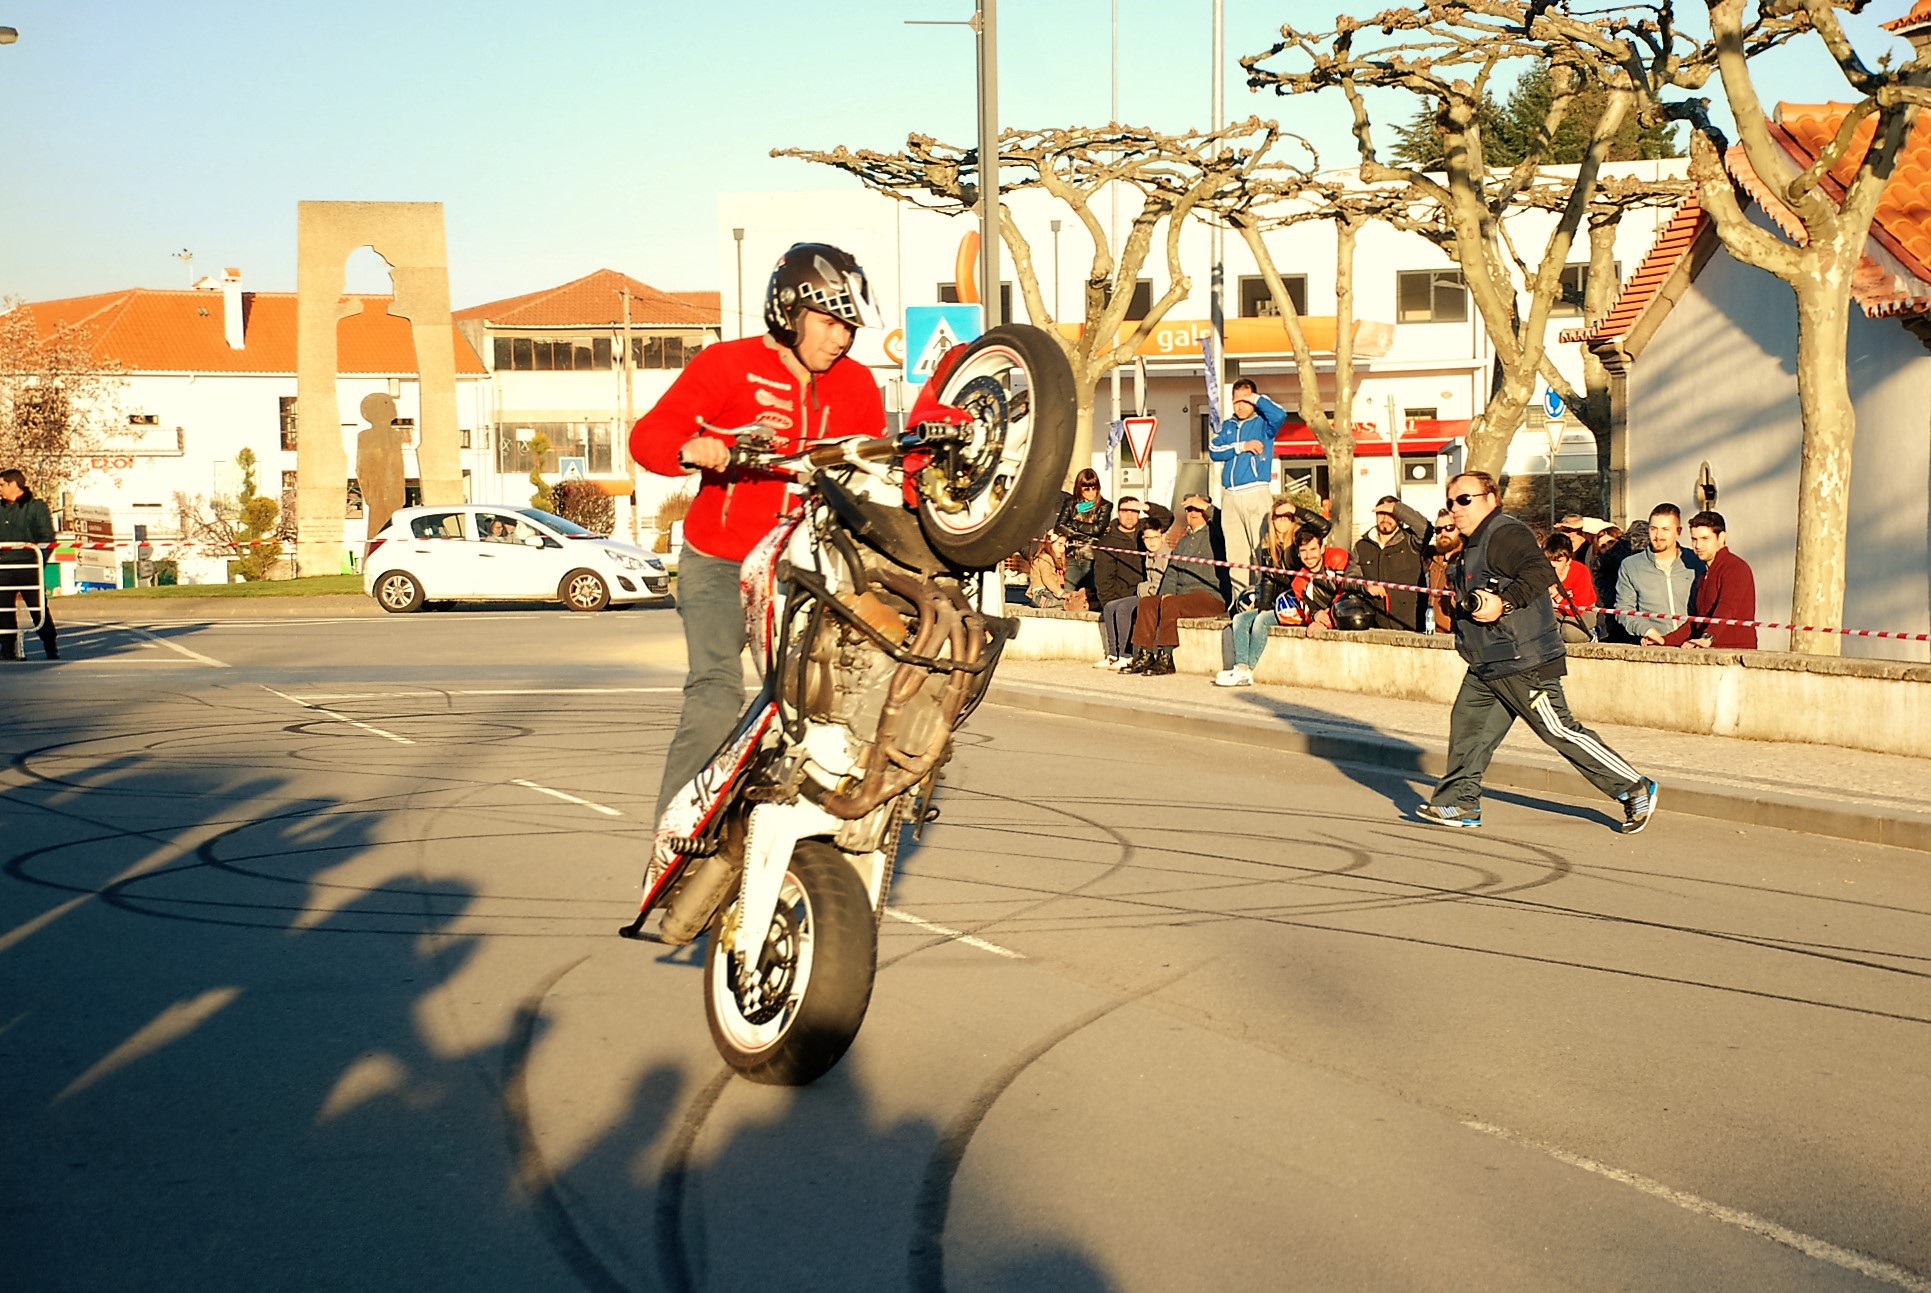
1578	584
1726	591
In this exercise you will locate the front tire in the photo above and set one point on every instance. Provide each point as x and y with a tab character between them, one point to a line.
815	978
992	496
398	592
584	590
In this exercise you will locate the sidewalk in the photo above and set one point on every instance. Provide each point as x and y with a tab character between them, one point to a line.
1821	790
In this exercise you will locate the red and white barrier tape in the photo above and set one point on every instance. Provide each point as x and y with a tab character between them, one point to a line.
1334	577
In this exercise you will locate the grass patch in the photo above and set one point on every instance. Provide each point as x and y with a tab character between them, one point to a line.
310	586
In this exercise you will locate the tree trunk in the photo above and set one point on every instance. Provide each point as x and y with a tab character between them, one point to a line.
1341	473
1341	490
1083	439
1599	296
1824	476
1494	430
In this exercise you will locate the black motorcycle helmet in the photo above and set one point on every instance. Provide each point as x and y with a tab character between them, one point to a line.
817	276
1352	614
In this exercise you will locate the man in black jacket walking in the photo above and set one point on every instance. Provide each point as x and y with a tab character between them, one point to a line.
1516	662
23	519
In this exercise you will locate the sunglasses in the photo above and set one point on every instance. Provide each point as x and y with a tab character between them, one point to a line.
1463	500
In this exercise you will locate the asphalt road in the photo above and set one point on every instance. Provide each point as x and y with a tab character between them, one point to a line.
308	980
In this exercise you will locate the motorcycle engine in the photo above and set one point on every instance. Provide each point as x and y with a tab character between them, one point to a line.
847	679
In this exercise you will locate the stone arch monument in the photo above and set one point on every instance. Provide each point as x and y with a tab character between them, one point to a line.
409	235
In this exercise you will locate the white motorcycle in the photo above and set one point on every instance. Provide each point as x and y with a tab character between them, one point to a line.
872	653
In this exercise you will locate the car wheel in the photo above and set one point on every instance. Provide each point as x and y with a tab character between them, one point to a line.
584	590
398	592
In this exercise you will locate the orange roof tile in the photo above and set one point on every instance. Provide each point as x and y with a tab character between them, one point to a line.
1671	245
1893	278
596	301
1920	13
151	330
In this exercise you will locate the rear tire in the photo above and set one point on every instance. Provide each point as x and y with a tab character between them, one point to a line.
815	982
989	498
584	590
398	592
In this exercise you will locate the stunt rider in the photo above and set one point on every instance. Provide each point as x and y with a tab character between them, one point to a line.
800	384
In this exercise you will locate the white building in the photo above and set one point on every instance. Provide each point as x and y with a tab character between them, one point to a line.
211	371
578	364
1704	347
1424	362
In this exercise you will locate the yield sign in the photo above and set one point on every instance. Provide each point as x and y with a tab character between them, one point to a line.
1139	437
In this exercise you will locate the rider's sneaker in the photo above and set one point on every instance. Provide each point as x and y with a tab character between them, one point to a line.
1450	815
1638	804
1238	676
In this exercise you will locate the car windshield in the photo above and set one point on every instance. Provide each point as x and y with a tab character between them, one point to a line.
569	529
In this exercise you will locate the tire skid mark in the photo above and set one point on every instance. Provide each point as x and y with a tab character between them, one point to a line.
533	1175
925	1255
674	1260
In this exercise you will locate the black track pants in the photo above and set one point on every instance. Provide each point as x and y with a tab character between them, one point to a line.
1482	715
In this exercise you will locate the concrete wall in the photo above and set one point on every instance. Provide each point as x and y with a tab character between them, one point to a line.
1717	384
1883	706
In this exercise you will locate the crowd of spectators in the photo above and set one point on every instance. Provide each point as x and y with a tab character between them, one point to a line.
1144	569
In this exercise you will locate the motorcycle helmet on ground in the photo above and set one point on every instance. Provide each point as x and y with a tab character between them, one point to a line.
1351	614
817	276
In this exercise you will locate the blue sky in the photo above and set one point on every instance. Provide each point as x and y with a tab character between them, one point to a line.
561	137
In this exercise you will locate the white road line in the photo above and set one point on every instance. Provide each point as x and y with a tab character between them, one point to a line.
568	799
958	935
176	646
1821	1250
340	718
337	697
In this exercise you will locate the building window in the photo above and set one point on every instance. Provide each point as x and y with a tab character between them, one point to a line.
1411	416
464	433
591	441
1256	302
665	352
1142	303
1575	289
144	419
949	295
408	428
1430	296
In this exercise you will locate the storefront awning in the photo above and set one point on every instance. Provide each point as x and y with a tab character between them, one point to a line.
1423	438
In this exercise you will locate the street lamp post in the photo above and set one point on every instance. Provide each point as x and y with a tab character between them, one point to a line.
984	24
738	235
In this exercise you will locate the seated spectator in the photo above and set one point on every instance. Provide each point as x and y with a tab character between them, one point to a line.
1322	578
1191	587
1273	566
1445	545
1119	566
1118	616
1390	553
1046	573
1727	591
1609	565
1573	593
1083	519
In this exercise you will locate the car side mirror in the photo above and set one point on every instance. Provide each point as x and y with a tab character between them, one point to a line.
535	541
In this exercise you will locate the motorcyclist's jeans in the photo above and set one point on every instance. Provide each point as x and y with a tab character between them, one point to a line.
714	641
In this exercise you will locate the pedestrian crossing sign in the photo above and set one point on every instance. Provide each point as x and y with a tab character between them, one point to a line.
931	330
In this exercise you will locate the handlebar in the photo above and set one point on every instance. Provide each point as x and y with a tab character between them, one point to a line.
754	446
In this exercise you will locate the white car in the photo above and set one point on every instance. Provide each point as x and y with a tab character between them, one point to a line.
483	552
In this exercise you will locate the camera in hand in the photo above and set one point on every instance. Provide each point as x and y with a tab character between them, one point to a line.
1465	603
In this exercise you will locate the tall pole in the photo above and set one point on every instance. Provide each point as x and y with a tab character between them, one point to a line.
738	234
623	435
986	24
1113	201
1217	308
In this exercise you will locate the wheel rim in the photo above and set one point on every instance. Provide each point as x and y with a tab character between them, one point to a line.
586	590
758	1018
971	482
397	592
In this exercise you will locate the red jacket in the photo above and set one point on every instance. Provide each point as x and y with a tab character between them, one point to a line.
1726	591
733	384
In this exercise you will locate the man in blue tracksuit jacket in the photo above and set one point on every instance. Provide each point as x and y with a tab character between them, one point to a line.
1244	448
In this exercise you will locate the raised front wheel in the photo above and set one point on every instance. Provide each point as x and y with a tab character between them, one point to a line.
794	1017
993	494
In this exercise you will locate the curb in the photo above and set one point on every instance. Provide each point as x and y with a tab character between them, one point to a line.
1804	814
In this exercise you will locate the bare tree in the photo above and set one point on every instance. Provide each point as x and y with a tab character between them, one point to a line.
1170	174
1274	197
1448	56
59	402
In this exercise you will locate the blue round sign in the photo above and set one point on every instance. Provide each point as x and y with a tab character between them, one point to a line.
1551	403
